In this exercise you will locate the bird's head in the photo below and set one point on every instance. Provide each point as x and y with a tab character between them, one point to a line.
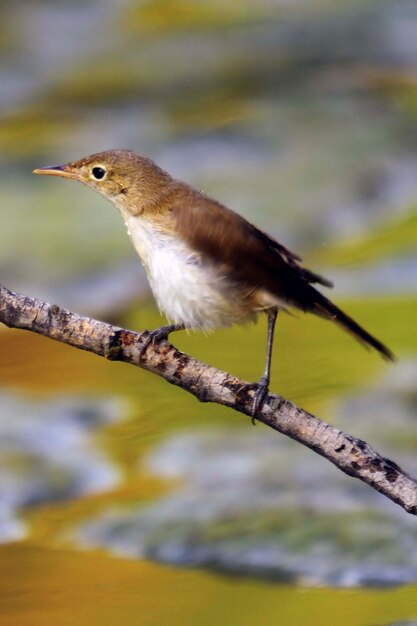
131	181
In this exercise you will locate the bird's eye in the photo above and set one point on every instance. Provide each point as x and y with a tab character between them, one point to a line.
98	172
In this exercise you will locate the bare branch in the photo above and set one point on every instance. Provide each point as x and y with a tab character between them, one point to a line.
208	384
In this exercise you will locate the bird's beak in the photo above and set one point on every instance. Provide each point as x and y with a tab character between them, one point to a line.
57	170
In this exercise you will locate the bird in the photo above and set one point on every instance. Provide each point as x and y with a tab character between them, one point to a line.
208	267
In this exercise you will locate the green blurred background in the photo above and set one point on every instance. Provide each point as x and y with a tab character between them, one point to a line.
123	500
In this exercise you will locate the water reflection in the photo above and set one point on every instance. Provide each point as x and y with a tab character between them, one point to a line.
47	453
261	506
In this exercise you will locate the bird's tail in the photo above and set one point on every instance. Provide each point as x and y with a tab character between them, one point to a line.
325	308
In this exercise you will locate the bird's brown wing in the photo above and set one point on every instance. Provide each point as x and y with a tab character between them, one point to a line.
257	260
250	255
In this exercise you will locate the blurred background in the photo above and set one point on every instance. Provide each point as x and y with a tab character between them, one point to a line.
123	500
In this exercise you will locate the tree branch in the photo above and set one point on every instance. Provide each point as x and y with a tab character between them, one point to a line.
208	384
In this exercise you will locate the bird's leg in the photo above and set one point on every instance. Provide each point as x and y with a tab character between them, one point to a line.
263	384
157	335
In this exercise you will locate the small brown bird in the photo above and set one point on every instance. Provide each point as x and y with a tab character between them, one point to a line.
208	267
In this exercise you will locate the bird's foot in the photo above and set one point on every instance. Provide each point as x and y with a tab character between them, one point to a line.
259	397
154	337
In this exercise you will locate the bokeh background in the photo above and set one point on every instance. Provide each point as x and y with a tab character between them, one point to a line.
123	500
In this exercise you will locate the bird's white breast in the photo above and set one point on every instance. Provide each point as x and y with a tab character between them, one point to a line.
188	289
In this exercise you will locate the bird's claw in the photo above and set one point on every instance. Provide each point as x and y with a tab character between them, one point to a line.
259	397
153	337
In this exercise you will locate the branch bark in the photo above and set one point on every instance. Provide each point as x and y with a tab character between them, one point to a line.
208	384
